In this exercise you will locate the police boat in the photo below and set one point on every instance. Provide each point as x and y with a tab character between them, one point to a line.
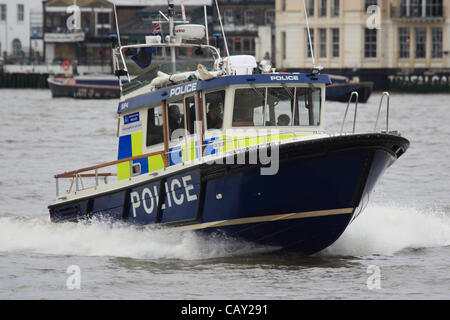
229	146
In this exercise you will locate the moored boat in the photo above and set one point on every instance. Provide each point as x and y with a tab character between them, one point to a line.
85	87
342	88
235	148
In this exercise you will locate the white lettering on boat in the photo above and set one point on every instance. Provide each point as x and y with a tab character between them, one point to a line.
284	78
149	200
190	87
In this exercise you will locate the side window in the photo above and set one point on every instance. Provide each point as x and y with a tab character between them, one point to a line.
191	113
280	107
154	126
175	114
309	105
214	103
248	110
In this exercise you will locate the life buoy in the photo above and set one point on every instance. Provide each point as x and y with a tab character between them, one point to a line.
66	65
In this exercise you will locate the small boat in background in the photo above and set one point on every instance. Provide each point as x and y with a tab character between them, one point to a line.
341	89
85	87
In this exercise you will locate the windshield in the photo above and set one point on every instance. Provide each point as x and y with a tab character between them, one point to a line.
277	106
143	64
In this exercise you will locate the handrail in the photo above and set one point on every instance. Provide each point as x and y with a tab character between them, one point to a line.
385	94
71	174
354	93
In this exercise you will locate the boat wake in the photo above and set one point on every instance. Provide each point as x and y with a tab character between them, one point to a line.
382	230
103	238
386	230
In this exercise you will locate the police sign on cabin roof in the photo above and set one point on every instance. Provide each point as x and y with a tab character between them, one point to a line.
185	88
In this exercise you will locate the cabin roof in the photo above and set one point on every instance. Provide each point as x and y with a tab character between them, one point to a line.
194	86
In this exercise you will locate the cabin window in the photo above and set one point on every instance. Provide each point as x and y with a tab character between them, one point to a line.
214	102
154	126
280	106
277	107
191	113
308	108
175	114
249	107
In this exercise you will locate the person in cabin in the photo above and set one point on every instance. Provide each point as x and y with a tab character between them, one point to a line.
214	116
175	119
284	120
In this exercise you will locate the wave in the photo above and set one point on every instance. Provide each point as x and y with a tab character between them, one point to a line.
389	229
380	230
102	238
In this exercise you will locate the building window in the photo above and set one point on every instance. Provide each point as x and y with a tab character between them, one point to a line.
2	12
103	25
434	8
310	8
250	16
283	45
416	8
269	16
421	43
17	47
283	5
237	45
436	43
230	43
370	43
335	43
335	9
20	12
308	45
323	43
249	46
323	8
228	16
404	41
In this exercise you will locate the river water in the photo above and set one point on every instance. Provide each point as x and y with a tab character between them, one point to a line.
398	249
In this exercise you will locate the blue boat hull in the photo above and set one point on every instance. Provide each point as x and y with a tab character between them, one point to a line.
305	207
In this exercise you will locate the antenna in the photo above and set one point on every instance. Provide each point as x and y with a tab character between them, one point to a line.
117	25
206	23
309	36
223	32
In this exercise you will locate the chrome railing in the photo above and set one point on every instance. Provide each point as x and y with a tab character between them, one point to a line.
385	94
354	94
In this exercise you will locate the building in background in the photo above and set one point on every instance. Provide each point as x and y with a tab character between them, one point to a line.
21	30
248	26
413	37
85	42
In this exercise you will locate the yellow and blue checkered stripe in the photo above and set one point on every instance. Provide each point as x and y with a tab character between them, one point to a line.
131	146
